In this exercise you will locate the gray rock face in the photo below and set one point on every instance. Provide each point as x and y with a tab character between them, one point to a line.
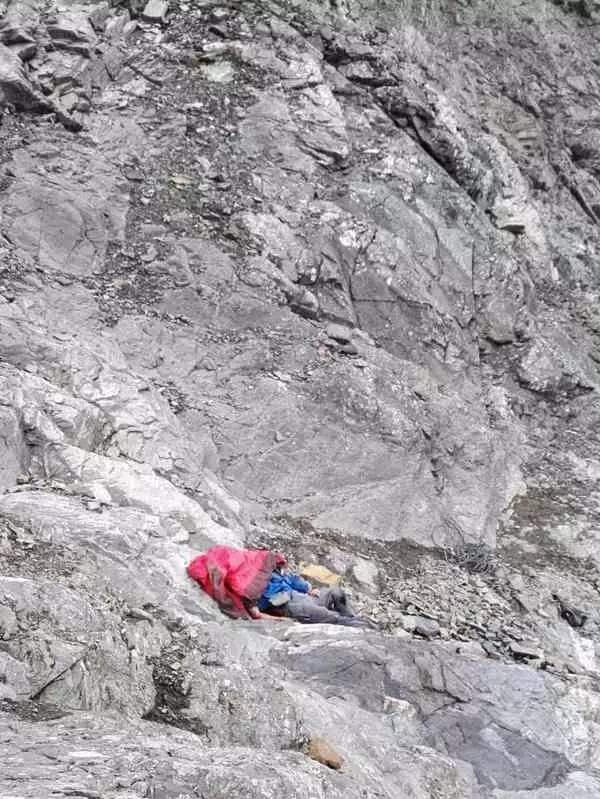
14	85
319	277
155	10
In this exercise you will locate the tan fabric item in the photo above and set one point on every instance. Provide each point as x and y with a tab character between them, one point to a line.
319	574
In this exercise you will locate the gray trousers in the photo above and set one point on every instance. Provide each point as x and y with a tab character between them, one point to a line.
330	607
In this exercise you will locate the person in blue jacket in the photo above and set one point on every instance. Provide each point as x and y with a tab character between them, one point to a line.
288	594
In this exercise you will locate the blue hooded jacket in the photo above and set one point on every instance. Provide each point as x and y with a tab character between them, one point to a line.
282	581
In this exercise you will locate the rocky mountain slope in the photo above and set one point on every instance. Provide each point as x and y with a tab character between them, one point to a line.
320	276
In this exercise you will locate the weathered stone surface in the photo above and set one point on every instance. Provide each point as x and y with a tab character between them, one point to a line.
528	650
19	21
276	278
15	88
99	15
73	26
503	749
13	451
155	10
576	784
8	622
366	573
14	682
428	628
65	221
137	757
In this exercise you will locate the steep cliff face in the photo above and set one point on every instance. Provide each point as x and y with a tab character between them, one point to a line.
315	275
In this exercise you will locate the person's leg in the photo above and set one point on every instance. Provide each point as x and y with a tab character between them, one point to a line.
335	599
305	609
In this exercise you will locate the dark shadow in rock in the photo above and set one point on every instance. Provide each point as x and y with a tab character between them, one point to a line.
32	711
576	618
172	697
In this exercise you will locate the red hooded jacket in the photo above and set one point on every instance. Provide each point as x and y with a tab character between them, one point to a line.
234	578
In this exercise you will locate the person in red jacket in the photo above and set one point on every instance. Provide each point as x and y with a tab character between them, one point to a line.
287	595
255	583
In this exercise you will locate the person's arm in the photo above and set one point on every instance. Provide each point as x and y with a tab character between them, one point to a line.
298	584
256	614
